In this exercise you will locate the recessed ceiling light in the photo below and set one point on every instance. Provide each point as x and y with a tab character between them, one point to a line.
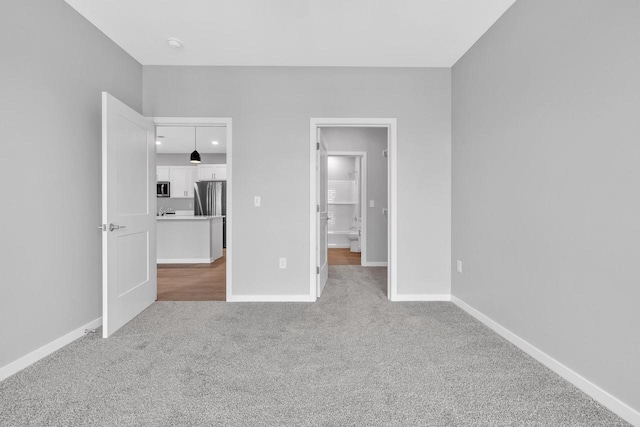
174	43
158	142
214	142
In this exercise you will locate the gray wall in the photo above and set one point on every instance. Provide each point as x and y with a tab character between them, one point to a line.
373	141
52	73
270	108
546	165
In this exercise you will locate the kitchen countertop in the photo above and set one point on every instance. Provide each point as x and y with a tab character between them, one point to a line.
187	217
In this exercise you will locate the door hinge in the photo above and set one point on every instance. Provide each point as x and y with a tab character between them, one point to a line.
317	208
317	270
318	146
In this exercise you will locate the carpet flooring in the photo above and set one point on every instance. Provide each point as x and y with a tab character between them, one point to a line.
352	358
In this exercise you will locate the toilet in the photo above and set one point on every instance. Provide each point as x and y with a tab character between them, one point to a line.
354	242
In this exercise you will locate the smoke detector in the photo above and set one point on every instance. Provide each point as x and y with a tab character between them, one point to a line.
174	43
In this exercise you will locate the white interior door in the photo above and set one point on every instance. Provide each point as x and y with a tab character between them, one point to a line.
322	219
128	214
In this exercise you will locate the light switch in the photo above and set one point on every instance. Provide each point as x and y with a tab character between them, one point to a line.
256	201
371	204
459	266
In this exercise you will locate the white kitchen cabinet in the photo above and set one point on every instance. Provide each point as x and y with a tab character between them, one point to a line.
205	172
210	172
182	179
220	172
192	177
162	173
188	239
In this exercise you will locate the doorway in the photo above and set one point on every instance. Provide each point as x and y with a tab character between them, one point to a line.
347	213
319	214
194	224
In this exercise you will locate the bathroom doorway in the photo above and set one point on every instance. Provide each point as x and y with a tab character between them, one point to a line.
360	205
346	198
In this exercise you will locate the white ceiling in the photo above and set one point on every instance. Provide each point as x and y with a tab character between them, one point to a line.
369	33
179	139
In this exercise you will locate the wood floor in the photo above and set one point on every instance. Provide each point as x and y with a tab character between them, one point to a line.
340	256
193	282
207	282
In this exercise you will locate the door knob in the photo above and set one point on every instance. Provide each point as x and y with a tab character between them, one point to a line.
113	226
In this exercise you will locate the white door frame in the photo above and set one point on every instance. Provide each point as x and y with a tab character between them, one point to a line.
213	121
322	215
363	197
392	194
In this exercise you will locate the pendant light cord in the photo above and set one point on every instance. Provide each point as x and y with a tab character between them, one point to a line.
195	156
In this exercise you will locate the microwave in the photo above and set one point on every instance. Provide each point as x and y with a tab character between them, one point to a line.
163	189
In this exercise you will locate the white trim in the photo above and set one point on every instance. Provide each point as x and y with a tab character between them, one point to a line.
185	260
339	245
47	349
375	264
603	397
423	297
392	191
313	222
188	121
322	275
270	298
228	123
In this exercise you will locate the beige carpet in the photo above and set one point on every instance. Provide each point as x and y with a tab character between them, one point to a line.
352	358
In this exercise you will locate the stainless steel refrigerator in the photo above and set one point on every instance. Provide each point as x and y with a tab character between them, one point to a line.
210	199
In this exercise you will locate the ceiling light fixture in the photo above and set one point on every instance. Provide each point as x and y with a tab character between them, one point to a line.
174	43
158	142
214	142
195	156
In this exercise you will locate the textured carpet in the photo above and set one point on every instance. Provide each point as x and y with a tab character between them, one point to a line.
352	358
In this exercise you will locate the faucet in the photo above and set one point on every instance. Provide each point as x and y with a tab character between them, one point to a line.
355	223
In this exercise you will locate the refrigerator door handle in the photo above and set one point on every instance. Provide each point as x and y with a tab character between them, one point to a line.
214	202
208	201
211	192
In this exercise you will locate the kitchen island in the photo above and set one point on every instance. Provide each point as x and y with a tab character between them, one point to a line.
188	239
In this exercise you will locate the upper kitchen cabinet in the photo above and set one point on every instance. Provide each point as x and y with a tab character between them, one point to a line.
215	172
192	177
182	180
162	173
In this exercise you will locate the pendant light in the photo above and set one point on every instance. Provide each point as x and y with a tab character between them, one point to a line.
195	156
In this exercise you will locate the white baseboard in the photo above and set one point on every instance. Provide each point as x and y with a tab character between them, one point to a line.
603	397
31	358
185	261
338	245
269	298
422	297
375	264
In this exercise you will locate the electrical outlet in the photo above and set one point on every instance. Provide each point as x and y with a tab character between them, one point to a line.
371	203
190	204
459	266
257	201
283	263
